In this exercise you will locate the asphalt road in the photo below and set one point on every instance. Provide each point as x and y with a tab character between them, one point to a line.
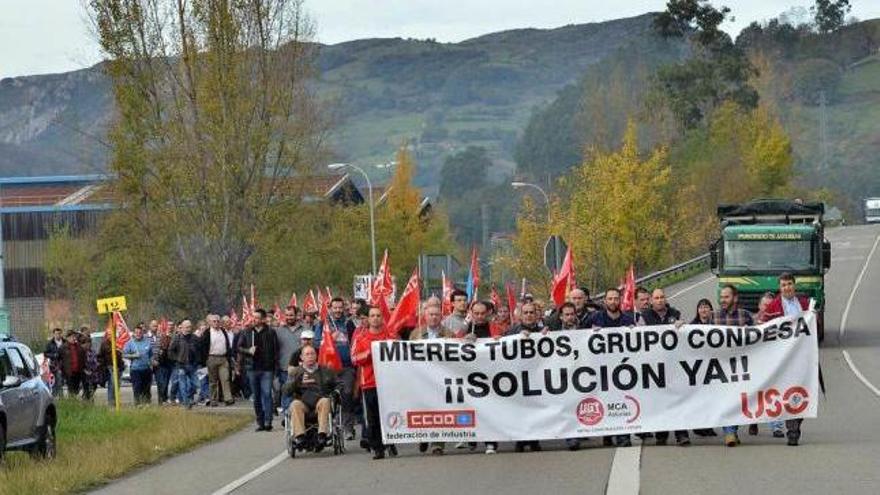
840	451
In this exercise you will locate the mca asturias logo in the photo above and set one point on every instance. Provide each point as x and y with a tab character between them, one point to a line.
591	411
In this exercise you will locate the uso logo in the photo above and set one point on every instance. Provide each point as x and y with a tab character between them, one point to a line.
590	411
771	402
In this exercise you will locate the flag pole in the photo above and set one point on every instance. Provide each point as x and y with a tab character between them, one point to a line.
113	358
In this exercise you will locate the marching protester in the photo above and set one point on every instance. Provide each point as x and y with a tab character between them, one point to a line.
341	331
163	365
610	317
432	329
568	319
309	389
659	312
730	314
139	350
258	355
788	303
703	316
52	352
479	326
362	356
184	351
502	321
105	364
92	376
289	336
306	337
525	328
457	320
777	426
73	363
219	344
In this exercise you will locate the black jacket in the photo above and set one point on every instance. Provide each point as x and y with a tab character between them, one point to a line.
266	354
325	380
519	327
186	350
651	317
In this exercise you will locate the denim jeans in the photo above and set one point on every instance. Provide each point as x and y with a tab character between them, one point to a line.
282	379
187	382
261	388
163	377
730	429
141	381
174	385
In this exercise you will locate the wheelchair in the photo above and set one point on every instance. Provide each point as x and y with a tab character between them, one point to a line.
335	438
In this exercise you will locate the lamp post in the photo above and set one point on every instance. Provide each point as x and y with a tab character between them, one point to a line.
337	166
520	185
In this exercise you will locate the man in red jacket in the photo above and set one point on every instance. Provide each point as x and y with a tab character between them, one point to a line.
785	304
362	356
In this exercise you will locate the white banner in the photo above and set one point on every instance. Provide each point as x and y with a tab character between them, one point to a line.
582	383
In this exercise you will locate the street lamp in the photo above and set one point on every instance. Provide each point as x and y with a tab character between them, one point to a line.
520	185
337	166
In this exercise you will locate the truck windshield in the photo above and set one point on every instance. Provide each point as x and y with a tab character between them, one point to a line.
768	256
872	212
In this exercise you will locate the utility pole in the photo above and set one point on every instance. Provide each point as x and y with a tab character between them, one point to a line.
823	131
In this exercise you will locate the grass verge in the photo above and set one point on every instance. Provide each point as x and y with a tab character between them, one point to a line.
96	445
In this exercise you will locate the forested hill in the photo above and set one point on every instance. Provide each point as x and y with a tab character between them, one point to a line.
439	96
797	67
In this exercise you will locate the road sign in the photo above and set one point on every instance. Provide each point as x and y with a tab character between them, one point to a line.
554	253
111	304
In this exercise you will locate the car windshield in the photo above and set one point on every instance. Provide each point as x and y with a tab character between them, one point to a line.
768	255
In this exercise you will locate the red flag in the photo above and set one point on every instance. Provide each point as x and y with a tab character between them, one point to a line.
253	300
165	326
382	285
473	282
279	315
383	307
563	282
407	307
628	299
292	301
495	298
323	303
247	315
329	294
123	335
445	302
310	305
511	302
328	356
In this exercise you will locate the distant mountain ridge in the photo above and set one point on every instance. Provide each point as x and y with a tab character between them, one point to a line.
439	97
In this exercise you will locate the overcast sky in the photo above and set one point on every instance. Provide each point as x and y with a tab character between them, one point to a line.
45	36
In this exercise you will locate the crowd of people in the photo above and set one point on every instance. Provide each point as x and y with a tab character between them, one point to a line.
273	359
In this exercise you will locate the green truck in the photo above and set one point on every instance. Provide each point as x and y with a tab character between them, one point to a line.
764	238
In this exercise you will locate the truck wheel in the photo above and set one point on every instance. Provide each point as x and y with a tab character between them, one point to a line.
45	447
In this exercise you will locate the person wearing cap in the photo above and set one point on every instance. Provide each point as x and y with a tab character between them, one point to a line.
306	337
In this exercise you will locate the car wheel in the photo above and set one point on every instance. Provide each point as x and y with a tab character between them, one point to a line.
46	447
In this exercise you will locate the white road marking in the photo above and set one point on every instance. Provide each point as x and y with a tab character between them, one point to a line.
845	317
240	482
624	478
855	288
859	375
687	289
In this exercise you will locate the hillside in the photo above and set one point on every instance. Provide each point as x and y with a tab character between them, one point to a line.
382	92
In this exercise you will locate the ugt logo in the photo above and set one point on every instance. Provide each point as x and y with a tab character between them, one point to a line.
772	402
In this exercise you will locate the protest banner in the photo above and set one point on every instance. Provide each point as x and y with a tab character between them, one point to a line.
583	383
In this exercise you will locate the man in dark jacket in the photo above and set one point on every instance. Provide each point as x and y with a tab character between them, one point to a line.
661	313
258	356
73	363
185	351
310	387
527	326
52	352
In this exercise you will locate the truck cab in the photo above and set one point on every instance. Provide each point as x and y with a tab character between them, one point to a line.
872	210
762	239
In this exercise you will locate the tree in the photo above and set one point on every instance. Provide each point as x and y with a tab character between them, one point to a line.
464	171
615	212
829	15
718	71
215	120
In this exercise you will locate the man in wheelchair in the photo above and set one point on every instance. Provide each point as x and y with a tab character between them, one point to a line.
312	389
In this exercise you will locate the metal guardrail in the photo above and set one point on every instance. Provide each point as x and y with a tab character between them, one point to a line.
686	266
